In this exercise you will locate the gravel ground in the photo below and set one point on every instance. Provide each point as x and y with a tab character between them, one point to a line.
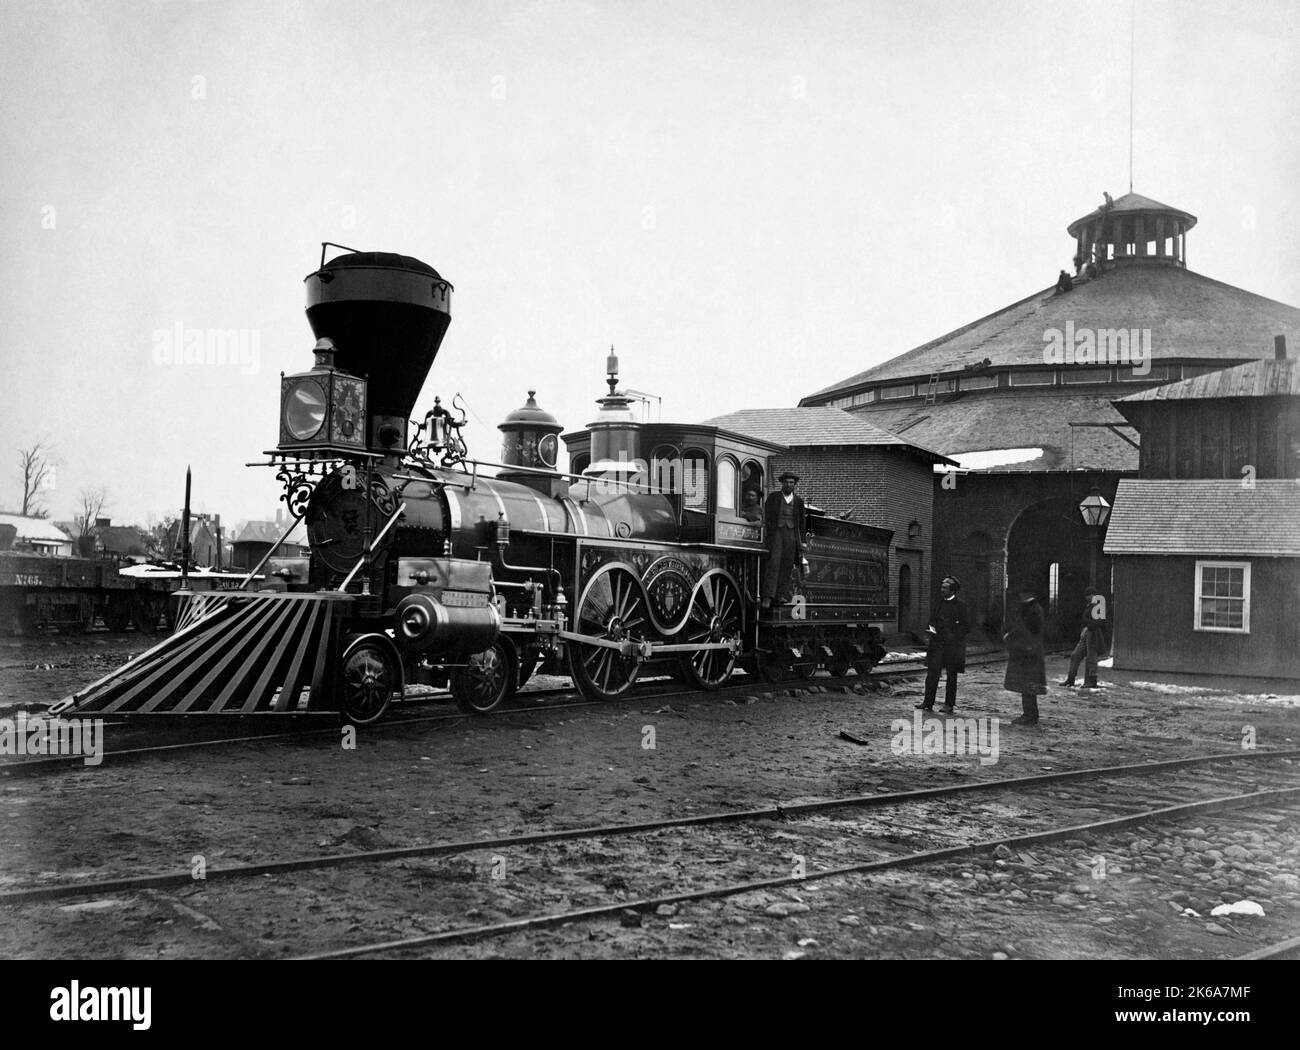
536	770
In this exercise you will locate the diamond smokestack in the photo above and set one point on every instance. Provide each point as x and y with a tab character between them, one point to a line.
386	315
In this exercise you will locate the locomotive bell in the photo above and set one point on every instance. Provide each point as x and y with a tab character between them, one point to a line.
386	316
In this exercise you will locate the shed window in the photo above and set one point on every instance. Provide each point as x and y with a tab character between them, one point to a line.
1223	596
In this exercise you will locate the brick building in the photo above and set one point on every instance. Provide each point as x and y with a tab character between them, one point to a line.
852	468
1022	398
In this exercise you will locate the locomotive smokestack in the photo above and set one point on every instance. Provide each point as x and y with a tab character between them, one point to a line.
386	316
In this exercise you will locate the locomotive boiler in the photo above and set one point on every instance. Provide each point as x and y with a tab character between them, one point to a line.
430	566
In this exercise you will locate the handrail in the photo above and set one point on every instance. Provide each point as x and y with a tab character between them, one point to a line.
365	555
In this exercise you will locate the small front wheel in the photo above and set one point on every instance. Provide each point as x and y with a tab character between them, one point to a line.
370	674
487	678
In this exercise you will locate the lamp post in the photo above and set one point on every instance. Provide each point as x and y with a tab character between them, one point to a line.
1095	511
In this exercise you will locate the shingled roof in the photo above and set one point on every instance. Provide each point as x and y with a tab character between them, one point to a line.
1128	205
814	427
1030	419
1209	517
1272	378
1190	317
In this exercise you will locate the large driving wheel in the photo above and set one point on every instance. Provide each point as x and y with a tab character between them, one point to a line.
714	617
369	674
612	609
486	679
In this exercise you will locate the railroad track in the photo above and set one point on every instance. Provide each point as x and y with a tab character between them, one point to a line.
529	702
874	833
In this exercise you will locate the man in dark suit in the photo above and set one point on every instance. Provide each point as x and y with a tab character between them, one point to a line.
946	649
783	514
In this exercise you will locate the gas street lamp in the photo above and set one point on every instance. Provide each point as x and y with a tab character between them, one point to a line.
1095	511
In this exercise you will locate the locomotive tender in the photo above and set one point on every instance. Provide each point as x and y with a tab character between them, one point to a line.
424	569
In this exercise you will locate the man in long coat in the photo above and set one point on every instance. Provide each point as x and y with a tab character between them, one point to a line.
783	515
946	650
1026	668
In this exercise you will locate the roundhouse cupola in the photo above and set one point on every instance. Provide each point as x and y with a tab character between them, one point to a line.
1132	229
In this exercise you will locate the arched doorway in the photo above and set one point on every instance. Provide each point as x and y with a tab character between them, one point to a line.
1047	534
905	599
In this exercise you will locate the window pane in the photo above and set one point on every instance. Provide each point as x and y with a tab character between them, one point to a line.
726	485
695	482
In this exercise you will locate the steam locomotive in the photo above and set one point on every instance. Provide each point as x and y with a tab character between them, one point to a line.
425	569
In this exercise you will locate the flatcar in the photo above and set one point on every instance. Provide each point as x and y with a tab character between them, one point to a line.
429	566
69	594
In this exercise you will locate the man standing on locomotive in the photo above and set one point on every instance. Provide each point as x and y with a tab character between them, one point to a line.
783	514
946	650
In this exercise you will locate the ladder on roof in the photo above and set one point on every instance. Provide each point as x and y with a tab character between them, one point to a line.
932	389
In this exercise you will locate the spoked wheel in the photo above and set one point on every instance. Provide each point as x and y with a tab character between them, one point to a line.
370	674
714	617
770	667
145	614
808	661
117	616
487	679
612	609
841	659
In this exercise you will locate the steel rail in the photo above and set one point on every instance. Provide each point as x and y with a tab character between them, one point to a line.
468	933
1287	949
777	812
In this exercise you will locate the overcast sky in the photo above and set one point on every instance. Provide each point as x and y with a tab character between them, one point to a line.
750	200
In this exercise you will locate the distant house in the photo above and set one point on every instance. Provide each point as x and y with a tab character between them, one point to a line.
120	541
203	540
37	536
1205	539
252	542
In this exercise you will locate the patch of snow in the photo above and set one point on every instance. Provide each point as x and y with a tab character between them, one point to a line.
1239	908
1272	699
989	458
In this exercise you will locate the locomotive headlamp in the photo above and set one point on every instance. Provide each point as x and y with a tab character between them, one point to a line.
304	409
324	409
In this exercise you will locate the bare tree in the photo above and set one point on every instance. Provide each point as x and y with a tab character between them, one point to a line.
93	501
35	464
